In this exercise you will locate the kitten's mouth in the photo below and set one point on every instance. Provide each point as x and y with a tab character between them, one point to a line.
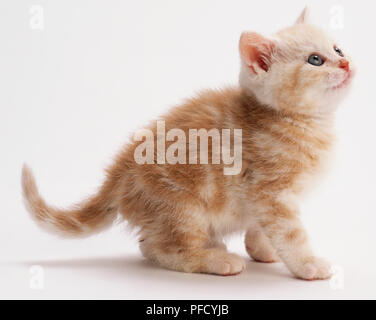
345	81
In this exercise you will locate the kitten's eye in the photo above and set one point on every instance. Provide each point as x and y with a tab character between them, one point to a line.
315	60
339	51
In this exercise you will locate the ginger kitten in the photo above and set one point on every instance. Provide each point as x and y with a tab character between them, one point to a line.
290	86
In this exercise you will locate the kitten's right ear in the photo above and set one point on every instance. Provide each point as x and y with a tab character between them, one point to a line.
256	51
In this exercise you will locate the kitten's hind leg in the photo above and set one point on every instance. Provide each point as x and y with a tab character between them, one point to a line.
258	245
189	252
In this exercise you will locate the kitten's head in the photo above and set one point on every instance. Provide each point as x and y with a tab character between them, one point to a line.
299	70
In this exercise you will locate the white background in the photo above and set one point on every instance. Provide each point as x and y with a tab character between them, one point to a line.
72	94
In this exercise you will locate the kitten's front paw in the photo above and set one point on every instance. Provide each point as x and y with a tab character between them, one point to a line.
314	269
265	255
225	264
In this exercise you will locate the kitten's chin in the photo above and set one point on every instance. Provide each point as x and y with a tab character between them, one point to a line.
345	83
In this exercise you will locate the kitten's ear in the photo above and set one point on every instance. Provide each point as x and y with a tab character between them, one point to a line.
256	51
304	16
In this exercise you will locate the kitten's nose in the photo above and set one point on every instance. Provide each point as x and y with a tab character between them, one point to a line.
344	64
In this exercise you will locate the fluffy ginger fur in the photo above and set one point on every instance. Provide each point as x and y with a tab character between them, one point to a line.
285	108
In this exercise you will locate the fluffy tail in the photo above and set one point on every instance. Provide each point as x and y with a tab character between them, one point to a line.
89	217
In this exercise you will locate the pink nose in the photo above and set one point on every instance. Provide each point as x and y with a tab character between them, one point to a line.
344	64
